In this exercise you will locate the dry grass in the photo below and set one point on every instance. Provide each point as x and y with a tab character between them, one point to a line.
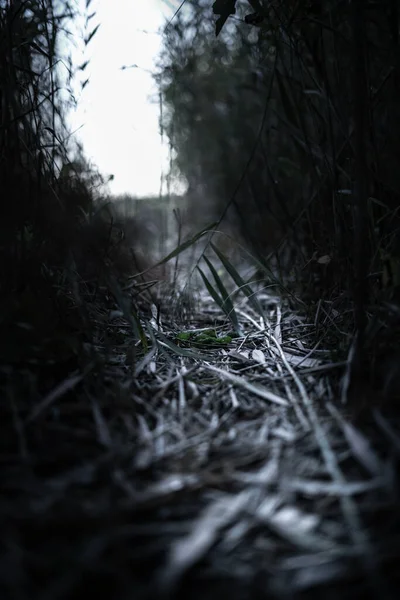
182	430
196	465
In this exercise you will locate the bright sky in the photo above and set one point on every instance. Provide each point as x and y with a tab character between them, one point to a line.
119	109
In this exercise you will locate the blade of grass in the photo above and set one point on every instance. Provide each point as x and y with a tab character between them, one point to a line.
271	279
128	312
242	285
181	248
223	301
228	305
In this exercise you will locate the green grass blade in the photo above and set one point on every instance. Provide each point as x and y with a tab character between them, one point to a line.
223	301
223	291
179	351
186	244
214	295
242	285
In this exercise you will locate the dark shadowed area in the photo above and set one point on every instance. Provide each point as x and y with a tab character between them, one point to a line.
199	393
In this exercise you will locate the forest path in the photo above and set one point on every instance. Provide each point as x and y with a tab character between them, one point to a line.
292	493
210	464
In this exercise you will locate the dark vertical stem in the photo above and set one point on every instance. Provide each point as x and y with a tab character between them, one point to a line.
394	21
394	15
360	210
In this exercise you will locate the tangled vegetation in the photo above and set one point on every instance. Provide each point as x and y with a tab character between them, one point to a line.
199	393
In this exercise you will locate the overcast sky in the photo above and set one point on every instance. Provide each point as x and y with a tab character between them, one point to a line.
119	109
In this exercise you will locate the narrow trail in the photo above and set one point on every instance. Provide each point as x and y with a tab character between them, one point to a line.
210	465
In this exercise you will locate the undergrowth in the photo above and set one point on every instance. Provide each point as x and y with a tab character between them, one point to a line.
177	415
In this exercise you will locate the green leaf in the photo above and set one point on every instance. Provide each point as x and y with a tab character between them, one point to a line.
161	338
184	336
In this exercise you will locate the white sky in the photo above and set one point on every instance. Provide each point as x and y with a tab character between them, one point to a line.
119	109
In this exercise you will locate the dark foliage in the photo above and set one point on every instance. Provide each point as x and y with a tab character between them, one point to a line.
288	128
